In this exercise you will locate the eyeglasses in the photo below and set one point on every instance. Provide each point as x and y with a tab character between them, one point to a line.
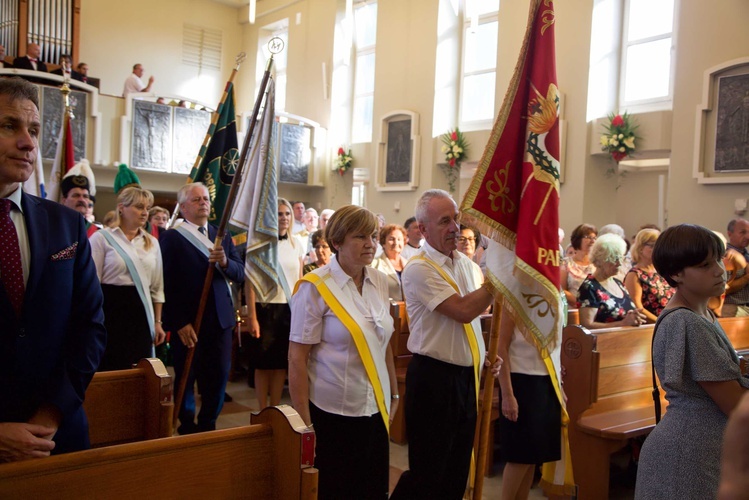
590	237
463	239
651	245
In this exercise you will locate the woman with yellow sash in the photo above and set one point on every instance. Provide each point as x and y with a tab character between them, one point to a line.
341	371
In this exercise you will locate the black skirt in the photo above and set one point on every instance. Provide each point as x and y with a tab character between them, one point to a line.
128	334
536	436
271	350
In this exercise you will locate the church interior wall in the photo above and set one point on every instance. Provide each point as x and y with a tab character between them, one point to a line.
114	36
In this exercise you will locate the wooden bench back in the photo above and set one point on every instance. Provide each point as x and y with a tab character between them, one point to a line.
125	406
257	461
399	340
573	316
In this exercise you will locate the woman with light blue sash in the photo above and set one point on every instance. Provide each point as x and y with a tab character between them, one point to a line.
128	262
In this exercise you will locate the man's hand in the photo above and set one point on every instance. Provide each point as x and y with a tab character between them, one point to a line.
21	441
217	255
495	367
188	335
150	80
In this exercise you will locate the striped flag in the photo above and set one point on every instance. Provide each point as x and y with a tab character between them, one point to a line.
34	185
64	159
256	209
218	159
514	199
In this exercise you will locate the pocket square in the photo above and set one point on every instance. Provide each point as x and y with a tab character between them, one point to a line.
66	253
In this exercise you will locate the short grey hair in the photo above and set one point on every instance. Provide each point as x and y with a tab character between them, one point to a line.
184	192
17	88
607	248
612	229
426	198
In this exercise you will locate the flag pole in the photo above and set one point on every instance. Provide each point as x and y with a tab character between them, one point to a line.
482	424
236	181
209	133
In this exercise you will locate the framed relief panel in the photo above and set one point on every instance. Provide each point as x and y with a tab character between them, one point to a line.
398	152
721	143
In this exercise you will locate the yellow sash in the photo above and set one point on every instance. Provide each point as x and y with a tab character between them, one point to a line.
356	333
468	327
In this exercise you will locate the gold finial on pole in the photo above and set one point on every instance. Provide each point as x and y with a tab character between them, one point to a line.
239	60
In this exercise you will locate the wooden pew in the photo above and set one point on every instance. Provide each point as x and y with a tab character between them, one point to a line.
609	389
402	356
270	459
125	406
573	316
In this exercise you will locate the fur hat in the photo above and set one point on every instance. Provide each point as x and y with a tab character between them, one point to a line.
125	178
80	176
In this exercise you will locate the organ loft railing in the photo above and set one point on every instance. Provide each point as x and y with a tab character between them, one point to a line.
53	24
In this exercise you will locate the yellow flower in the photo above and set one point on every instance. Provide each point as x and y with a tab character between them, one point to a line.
445	149
604	141
630	142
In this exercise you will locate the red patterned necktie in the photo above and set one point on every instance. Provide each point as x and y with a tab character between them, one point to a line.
11	270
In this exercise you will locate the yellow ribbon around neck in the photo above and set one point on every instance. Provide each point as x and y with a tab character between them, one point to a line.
357	335
467	327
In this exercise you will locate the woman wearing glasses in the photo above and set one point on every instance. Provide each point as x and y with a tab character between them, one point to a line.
602	298
391	262
577	267
467	242
649	291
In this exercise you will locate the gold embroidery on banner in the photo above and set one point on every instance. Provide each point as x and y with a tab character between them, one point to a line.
508	206
535	301
548	19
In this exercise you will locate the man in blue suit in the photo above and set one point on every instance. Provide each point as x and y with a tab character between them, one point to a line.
52	332
187	252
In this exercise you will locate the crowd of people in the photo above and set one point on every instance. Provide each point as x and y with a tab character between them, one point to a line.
111	292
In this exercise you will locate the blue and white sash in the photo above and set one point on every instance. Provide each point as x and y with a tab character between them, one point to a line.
140	279
204	246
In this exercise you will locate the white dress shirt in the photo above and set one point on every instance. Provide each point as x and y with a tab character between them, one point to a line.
338	380
409	251
133	84
111	268
434	334
289	258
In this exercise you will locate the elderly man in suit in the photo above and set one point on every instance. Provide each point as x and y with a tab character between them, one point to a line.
52	332
31	59
187	251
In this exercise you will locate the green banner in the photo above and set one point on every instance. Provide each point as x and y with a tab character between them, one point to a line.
220	158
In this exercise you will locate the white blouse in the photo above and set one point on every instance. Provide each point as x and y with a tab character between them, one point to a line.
111	268
289	258
338	380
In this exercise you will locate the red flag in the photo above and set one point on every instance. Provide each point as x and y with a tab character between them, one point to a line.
514	199
64	159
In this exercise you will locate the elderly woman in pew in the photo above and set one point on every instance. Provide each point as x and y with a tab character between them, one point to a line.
391	262
321	250
602	299
697	367
577	267
648	290
128	262
341	370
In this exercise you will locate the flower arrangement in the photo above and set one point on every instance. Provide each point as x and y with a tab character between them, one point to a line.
454	147
619	137
343	161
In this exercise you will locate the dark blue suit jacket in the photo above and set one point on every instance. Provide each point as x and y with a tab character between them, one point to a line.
50	354
184	274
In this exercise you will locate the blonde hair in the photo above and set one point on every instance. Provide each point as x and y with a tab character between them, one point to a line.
158	210
350	219
128	197
287	203
643	237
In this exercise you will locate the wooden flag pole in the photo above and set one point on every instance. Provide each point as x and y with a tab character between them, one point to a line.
482	429
209	133
236	181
